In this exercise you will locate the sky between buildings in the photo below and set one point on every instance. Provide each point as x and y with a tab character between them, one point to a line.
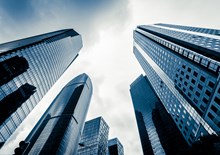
107	56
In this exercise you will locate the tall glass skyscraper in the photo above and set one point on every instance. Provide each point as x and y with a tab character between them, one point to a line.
182	64
58	130
158	132
28	69
115	147
94	139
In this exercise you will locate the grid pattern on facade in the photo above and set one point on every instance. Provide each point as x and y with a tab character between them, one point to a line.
205	42
198	58
45	66
94	138
213	114
194	79
188	78
170	102
194	29
174	102
182	64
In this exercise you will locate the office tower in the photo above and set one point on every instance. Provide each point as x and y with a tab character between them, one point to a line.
28	69
158	133
182	65
58	130
115	147
94	138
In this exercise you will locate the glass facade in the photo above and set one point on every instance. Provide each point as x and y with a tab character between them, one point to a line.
28	69
115	147
94	139
193	29
58	130
182	65
158	132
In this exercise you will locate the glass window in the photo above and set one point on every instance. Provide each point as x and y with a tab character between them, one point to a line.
195	73
202	78
197	93
195	100
214	109
189	69
200	86
210	116
217	100
211	84
207	92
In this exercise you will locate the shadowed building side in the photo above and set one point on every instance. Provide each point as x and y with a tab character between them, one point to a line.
58	130
115	147
158	132
11	68
145	142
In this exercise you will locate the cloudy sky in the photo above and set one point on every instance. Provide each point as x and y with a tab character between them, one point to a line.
106	27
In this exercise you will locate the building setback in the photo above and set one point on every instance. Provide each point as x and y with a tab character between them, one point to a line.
94	138
158	133
115	147
182	65
28	69
58	130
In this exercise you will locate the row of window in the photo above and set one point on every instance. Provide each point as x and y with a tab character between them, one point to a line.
164	93
194	86
191	80
196	57
194	29
205	42
214	111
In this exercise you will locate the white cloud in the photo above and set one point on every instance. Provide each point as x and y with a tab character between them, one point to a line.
107	55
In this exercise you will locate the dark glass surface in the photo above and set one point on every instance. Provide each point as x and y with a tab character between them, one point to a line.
180	73
38	61
145	142
94	137
10	103
56	135
157	130
17	44
115	147
11	68
193	29
58	130
113	150
170	137
183	41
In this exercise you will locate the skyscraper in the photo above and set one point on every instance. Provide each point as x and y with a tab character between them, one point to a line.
182	65
158	133
115	147
94	139
28	69
58	130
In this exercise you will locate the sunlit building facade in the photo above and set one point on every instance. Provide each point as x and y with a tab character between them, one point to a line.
94	138
28	69
115	147
58	131
182	65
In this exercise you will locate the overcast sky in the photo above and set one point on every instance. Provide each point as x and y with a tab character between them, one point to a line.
106	27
